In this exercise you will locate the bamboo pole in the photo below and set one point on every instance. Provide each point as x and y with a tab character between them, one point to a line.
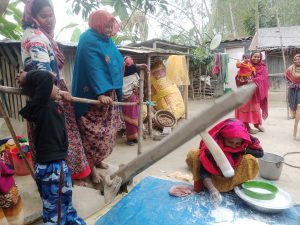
13	134
140	123
149	107
284	63
12	90
186	93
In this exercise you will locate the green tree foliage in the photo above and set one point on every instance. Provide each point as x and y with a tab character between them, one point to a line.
10	21
133	13
253	14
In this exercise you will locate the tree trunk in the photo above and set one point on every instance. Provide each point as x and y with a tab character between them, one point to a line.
232	20
3	6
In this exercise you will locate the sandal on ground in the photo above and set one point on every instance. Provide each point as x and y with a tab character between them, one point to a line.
251	131
130	143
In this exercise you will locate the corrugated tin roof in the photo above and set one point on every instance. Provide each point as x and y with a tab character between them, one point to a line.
163	44
237	39
123	49
269	38
150	51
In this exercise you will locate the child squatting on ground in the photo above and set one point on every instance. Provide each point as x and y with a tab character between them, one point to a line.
246	69
52	174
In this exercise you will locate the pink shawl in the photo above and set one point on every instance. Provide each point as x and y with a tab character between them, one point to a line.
6	178
29	20
229	128
262	83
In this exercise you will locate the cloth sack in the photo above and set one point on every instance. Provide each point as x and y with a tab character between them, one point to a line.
130	83
6	178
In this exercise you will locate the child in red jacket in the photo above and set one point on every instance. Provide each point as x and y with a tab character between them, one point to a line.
246	69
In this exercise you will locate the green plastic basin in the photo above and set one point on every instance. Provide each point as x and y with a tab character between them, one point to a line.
260	190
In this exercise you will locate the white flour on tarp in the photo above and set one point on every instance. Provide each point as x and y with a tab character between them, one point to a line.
222	214
246	221
242	221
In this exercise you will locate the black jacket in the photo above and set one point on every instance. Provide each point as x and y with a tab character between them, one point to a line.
50	136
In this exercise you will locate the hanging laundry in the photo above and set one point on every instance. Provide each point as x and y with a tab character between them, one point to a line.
221	67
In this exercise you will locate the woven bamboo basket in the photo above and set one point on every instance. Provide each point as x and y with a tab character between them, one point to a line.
164	118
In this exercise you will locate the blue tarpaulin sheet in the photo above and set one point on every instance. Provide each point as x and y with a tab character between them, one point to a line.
149	203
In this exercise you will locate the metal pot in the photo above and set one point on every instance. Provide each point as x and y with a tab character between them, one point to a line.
270	166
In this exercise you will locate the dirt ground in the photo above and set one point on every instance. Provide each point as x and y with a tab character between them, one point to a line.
278	139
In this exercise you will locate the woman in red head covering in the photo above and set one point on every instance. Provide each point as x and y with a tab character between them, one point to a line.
256	108
98	75
40	52
293	78
239	147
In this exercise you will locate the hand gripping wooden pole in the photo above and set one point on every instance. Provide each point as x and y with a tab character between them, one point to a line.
13	90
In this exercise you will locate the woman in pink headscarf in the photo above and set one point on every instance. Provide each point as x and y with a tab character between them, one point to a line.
241	150
256	108
293	78
40	52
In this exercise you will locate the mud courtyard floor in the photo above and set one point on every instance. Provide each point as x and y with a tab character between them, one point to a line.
277	139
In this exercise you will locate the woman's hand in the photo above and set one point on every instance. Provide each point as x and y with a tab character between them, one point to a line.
105	99
65	96
21	77
216	197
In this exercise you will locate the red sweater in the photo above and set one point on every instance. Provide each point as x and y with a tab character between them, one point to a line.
245	69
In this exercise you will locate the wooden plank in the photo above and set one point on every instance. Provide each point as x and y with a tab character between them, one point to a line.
188	130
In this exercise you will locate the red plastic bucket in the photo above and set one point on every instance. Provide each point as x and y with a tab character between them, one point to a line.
19	164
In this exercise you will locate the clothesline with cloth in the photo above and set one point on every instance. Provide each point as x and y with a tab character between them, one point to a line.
221	67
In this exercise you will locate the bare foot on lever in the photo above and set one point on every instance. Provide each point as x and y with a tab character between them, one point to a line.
80	183
96	178
103	165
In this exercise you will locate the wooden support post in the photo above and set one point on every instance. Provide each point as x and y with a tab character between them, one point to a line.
149	107
284	65
141	99
187	87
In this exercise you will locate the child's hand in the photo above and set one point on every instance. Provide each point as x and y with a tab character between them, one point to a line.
216	197
65	96
21	77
